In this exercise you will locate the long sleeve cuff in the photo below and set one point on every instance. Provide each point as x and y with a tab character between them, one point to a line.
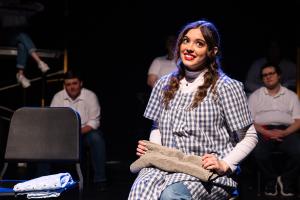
155	136
242	149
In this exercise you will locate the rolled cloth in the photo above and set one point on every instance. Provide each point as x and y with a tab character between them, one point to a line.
172	160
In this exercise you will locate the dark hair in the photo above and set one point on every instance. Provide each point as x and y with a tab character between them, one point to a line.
212	38
269	64
70	74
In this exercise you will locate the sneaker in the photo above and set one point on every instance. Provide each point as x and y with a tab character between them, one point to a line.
23	80
271	188
43	66
286	188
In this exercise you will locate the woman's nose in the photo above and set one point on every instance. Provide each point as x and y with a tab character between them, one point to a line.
189	50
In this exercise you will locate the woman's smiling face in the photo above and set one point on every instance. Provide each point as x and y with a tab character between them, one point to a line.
193	49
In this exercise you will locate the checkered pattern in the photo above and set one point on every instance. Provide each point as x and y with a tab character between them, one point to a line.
204	129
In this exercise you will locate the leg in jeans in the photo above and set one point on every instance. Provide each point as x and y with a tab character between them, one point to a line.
176	191
291	149
263	156
27	42
25	48
21	56
95	141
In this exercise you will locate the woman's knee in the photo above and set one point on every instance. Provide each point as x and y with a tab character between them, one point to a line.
176	191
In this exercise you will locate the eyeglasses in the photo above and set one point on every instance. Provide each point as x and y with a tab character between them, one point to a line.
268	74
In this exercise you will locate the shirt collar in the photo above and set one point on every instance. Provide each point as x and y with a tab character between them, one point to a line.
67	97
199	80
279	93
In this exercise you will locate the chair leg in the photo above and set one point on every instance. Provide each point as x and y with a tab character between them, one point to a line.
258	183
78	169
3	170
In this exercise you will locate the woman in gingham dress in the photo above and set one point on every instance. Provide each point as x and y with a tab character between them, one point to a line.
200	111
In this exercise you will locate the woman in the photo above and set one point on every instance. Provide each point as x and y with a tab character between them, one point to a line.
200	111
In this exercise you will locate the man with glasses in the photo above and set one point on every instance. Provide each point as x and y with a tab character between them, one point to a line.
276	113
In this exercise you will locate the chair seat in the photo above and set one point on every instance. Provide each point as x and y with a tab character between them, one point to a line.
6	187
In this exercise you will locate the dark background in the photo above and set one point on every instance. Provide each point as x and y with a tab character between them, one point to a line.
114	42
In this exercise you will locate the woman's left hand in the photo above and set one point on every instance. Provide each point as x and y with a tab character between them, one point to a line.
211	162
141	148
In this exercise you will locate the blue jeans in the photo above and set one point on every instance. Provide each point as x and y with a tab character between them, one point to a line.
25	47
290	146
176	191
95	141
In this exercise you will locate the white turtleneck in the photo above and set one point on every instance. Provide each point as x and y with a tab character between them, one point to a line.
188	87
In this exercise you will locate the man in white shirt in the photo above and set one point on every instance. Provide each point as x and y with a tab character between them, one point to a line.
276	113
85	102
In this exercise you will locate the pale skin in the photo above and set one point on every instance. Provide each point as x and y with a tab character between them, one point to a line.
271	81
73	87
193	53
151	80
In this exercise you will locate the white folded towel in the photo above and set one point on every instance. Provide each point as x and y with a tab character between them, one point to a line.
45	186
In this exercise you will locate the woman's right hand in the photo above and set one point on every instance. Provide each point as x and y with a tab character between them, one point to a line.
141	148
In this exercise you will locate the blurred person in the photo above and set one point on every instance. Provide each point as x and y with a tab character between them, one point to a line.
162	65
14	32
274	55
276	113
86	103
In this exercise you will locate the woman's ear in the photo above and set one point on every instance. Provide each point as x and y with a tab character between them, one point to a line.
215	50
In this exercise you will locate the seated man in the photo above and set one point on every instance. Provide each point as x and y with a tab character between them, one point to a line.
85	102
276	113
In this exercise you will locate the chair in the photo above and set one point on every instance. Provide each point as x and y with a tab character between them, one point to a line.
48	134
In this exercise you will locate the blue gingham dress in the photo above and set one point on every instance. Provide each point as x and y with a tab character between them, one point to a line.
208	128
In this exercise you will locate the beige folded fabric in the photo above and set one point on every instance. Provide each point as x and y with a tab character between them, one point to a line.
172	160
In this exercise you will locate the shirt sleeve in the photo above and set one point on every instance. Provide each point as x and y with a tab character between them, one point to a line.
155	103
154	67
233	102
155	136
93	112
295	107
56	102
242	149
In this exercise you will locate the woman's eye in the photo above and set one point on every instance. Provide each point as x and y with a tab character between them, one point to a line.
185	40
200	44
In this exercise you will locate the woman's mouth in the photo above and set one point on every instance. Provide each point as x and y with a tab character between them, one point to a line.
189	57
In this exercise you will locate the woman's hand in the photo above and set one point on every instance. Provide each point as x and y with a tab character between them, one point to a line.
211	162
141	148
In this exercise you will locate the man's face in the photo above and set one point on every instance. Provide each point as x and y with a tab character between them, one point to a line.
270	77
73	87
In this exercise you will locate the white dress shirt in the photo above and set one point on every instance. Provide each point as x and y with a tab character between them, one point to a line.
161	66
281	109
86	104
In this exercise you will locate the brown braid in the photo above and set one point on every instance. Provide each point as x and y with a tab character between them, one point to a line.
172	87
210	79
